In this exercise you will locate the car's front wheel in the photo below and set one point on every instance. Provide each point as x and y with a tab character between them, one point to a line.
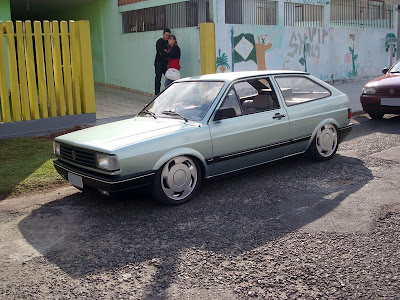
177	181
325	143
376	116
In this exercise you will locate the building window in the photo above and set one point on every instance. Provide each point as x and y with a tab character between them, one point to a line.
361	13
253	12
175	15
305	15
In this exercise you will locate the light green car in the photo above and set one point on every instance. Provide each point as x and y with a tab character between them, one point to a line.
206	126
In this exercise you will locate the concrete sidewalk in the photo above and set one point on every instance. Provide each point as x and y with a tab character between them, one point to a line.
113	104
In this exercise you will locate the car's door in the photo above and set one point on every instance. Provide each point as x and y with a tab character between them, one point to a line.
254	132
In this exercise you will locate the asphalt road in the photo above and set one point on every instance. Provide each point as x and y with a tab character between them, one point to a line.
291	229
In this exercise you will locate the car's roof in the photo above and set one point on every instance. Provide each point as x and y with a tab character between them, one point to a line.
230	76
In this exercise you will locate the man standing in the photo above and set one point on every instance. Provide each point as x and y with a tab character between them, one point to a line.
161	61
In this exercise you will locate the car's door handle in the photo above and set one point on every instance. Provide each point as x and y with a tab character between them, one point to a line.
278	116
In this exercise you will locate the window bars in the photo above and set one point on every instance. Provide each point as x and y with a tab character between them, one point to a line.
344	13
305	15
253	12
361	13
175	15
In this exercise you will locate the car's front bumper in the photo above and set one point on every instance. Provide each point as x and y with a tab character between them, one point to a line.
372	104
104	183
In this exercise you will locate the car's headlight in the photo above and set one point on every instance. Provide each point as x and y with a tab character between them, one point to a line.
56	149
368	90
107	162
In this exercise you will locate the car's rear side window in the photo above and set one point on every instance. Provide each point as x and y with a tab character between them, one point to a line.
300	89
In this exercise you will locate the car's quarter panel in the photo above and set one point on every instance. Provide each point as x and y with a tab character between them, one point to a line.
248	140
307	117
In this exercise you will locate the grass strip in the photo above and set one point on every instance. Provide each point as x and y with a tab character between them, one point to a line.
26	166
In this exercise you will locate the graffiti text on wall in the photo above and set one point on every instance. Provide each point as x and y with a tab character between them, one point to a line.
316	37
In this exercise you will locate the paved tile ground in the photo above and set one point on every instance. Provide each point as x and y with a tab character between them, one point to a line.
113	102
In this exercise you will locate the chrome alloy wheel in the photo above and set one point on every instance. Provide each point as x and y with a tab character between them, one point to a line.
326	140
179	177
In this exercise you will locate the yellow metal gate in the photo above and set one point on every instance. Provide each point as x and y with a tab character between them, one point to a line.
50	70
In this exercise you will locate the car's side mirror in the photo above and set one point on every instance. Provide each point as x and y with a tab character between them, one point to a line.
225	113
385	70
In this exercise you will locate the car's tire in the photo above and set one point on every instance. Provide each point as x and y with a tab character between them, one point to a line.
177	181
376	116
325	143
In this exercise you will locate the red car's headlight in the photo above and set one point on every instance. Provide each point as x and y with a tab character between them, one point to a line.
368	90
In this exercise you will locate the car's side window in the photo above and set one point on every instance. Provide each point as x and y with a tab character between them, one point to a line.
256	95
245	90
231	100
300	89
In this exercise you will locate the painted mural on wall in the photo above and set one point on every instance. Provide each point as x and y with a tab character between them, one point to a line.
390	46
352	57
262	46
303	60
222	62
246	50
327	53
243	48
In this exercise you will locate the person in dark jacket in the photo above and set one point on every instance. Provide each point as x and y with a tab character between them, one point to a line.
161	60
173	55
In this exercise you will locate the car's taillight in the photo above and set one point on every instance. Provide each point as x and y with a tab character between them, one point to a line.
349	114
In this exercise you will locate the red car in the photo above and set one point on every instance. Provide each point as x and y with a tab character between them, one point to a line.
382	95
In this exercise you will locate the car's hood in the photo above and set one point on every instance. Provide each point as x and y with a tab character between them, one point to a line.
115	135
390	80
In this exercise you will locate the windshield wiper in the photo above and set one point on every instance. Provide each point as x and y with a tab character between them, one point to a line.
395	72
173	113
147	112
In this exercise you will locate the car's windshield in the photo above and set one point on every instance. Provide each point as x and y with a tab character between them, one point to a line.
395	68
190	100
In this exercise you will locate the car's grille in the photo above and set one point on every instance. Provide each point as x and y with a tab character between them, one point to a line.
387	92
77	155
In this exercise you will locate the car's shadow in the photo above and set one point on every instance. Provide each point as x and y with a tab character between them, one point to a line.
389	124
85	234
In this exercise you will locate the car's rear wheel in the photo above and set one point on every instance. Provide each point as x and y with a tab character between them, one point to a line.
325	143
177	181
376	116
